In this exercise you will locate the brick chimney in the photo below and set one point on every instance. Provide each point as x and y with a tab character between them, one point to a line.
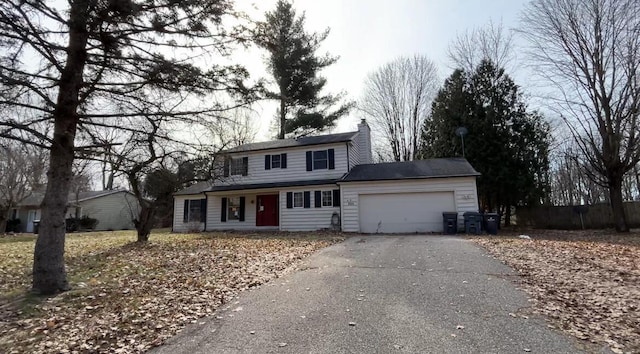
364	142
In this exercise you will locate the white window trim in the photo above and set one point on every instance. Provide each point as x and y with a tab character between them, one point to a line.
232	171
326	159
189	216
330	198
279	161
301	200
229	209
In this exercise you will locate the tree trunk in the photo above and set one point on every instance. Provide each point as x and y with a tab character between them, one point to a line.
145	221
49	275
617	207
283	116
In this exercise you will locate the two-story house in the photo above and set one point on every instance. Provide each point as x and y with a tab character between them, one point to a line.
326	182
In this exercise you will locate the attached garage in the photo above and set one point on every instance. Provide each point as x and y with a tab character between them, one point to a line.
407	197
404	212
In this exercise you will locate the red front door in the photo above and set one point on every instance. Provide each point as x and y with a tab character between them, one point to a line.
267	210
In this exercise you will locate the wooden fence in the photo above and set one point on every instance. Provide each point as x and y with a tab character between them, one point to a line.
597	216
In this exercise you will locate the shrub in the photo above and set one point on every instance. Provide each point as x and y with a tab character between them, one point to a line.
13	225
83	223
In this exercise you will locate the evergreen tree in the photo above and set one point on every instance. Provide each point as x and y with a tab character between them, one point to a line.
506	143
295	68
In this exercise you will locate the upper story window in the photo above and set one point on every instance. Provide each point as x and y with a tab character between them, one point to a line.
236	166
321	160
275	161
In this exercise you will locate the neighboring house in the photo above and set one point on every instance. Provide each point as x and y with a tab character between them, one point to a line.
326	182
113	209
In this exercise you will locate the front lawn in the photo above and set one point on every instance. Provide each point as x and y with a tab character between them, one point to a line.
128	297
587	282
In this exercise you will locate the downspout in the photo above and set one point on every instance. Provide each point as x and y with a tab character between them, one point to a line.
173	219
206	212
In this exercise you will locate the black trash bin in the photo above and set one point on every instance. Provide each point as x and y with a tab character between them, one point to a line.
450	223
491	220
472	223
36	226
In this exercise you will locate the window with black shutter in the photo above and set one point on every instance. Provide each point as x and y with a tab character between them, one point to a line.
289	200
239	166
321	160
307	199
336	197
194	210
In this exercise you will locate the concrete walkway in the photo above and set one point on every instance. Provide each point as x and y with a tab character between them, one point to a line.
381	294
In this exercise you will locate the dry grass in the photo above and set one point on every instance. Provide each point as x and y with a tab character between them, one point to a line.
128	297
587	282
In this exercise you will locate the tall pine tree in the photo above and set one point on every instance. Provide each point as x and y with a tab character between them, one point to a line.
295	68
506	143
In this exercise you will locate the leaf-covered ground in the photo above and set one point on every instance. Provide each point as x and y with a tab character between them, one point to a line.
127	297
587	282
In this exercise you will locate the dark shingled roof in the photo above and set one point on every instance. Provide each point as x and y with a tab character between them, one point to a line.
35	199
433	168
236	187
207	187
197	188
303	141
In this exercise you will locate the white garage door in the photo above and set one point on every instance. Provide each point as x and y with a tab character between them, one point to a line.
404	212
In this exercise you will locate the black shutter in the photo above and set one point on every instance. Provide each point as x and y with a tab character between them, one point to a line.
225	169
185	215
332	161
223	212
317	196
309	161
245	166
203	210
283	160
289	200
307	199
336	197
267	162
241	216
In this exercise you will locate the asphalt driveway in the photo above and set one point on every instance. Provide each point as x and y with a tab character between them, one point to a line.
381	294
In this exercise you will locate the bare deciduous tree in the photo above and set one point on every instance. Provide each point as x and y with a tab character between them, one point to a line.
87	63
590	52
491	42
396	100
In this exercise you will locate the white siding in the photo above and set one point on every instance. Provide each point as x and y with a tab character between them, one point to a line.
114	211
464	189
178	214
214	211
306	219
294	219
296	166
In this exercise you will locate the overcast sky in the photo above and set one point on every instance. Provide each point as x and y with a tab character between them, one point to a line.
366	34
